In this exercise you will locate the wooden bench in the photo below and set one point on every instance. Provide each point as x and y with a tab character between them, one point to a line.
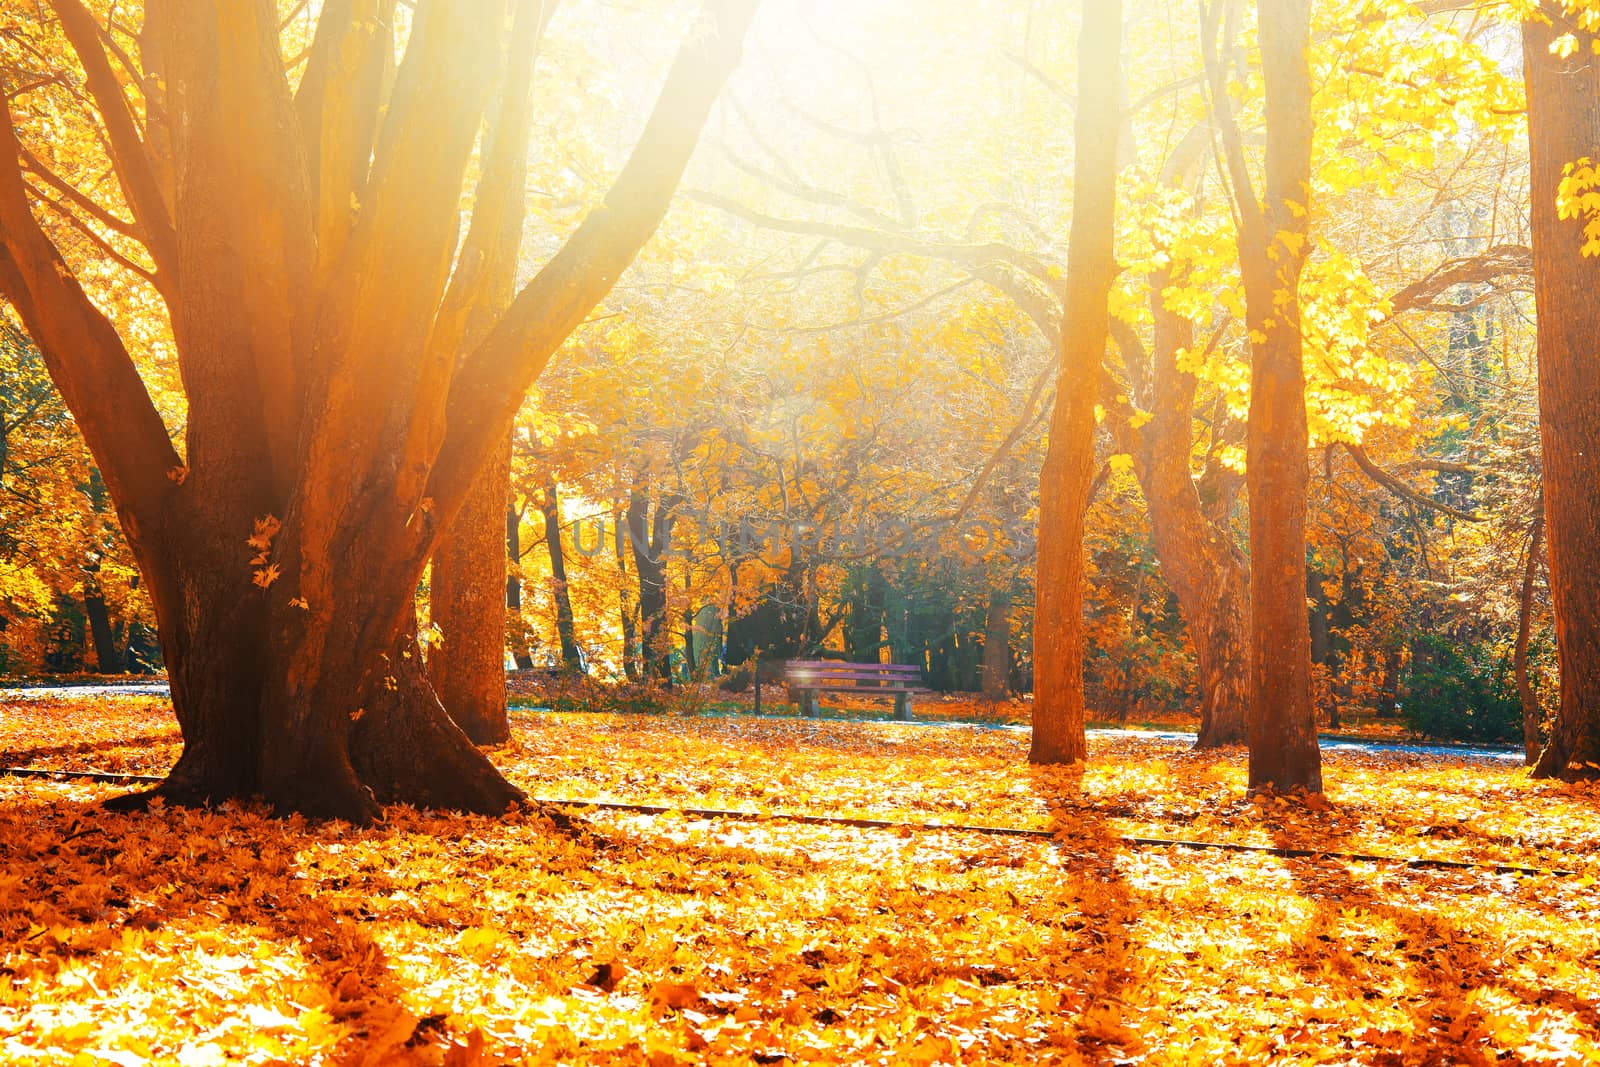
807	678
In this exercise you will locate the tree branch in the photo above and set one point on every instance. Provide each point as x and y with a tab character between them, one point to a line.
338	104
85	357
69	191
973	256
1488	268
1383	478
94	238
488	389
384	293
1214	18
485	277
248	244
129	156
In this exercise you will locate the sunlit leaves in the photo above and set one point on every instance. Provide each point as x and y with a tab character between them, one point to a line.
220	937
1579	198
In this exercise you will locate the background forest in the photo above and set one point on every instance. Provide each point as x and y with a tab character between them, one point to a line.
810	418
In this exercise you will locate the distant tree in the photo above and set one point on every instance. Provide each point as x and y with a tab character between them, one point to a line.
566	630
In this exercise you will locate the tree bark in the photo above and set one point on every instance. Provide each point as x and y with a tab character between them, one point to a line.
1273	235
1208	575
467	604
566	629
338	413
1192	537
1064	484
1563	127
470	565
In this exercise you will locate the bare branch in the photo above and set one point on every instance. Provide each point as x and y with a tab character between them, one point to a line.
338	106
1491	268
1400	489
974	256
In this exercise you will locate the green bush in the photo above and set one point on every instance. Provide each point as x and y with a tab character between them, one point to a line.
1461	692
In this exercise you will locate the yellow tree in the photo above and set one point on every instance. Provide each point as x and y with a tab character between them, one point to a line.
1282	730
302	240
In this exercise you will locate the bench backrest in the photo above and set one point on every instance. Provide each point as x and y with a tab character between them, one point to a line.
860	675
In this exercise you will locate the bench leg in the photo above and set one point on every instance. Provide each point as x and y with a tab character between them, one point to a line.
902	707
808	704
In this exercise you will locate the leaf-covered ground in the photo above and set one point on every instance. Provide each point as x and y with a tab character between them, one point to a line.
229	937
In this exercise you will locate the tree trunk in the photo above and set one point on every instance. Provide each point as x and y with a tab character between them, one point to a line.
627	607
467	604
1389	699
1064	484
1525	691
518	631
550	508
863	624
1199	560
108	658
1563	127
1222	656
651	536
1194	544
1272	251
997	645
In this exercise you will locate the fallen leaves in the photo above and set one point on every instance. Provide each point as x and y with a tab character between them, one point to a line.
225	936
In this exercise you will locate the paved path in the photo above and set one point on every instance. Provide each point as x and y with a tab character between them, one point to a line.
1499	754
72	692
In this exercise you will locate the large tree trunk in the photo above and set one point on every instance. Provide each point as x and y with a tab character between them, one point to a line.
1194	544
1272	251
1064	484
307	246
1563	127
1208	575
566	630
466	603
1283	729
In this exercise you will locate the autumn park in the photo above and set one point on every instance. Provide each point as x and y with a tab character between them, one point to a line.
675	532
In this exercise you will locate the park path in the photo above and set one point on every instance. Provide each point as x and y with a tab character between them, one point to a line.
1496	753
